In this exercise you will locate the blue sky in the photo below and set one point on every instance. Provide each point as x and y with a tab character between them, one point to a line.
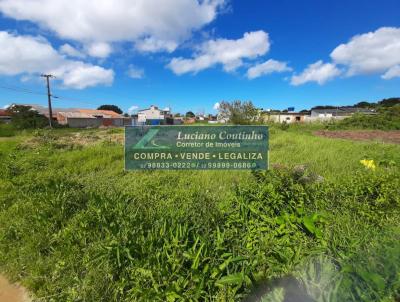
189	55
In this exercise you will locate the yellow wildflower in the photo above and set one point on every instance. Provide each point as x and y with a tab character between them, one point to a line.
368	164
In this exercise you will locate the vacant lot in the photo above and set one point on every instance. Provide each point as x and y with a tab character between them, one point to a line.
75	227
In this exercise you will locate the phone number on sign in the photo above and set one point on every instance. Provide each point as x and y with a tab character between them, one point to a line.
212	165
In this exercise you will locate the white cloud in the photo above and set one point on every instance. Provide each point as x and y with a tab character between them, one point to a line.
153	45
99	50
216	106
157	25
132	109
27	55
319	72
85	75
135	73
6	106
71	51
27	78
393	72
229	53
267	67
369	53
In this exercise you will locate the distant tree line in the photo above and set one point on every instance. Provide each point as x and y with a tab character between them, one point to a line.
390	102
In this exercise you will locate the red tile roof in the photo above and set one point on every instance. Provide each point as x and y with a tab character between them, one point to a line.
98	112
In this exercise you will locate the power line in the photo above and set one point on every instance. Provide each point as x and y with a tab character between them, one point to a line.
22	90
28	91
78	101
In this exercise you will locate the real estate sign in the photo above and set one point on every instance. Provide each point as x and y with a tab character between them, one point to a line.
196	147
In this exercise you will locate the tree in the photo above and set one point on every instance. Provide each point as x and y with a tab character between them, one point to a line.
190	114
389	102
114	108
238	112
23	117
364	104
323	107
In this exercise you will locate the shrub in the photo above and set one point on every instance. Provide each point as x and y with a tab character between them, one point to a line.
23	117
387	118
284	126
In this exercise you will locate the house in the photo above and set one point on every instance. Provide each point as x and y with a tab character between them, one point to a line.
201	117
83	118
285	117
173	120
338	113
315	115
212	119
5	116
177	120
153	115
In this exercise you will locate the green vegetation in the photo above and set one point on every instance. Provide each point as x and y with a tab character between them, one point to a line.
82	229
390	102
22	117
387	118
114	108
238	112
7	130
190	114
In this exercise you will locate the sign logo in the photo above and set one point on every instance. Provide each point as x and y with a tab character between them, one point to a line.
148	141
196	147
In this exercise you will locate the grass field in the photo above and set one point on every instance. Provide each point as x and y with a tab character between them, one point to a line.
74	226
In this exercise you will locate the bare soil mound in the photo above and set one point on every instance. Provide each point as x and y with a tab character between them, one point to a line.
361	135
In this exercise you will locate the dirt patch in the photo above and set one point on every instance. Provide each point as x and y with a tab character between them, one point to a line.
12	292
362	135
92	138
73	140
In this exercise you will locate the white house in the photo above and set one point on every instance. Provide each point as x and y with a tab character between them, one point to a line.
337	113
154	115
285	117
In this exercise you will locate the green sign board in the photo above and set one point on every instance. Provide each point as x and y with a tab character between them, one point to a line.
196	147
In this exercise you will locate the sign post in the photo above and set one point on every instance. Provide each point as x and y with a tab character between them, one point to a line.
196	148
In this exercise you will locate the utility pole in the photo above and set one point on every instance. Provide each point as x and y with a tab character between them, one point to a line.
48	76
